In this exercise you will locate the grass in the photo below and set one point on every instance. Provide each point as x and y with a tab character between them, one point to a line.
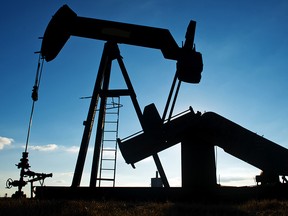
23	207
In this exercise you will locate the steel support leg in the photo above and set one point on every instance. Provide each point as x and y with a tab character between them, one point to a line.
90	120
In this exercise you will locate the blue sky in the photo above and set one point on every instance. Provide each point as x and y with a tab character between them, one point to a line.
244	46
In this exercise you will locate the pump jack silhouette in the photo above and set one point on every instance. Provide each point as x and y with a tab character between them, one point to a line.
198	133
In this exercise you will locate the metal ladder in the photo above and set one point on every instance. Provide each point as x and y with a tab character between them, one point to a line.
108	155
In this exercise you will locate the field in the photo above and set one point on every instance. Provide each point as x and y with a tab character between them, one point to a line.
10	207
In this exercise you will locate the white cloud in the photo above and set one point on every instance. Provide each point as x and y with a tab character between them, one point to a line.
4	141
237	180
55	147
228	179
48	147
72	149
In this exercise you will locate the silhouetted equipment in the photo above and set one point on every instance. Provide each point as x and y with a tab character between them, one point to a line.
156	182
66	23
24	166
198	133
269	178
189	64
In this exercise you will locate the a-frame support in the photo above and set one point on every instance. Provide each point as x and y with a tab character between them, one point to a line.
101	89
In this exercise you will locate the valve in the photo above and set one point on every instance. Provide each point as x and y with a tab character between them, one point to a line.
9	183
23	161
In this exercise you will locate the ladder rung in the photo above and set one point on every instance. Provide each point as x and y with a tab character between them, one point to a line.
110	140
111	113
108	149
111	122
108	169
110	131
105	179
108	159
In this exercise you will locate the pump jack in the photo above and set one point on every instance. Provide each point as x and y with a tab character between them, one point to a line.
65	23
198	133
